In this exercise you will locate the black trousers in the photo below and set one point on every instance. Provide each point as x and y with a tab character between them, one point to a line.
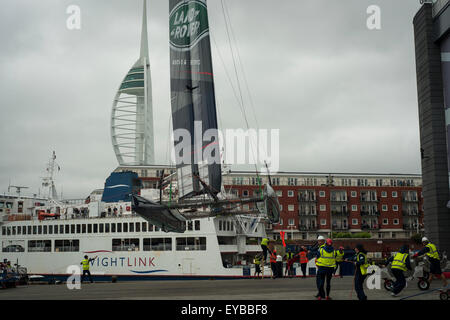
88	273
400	281
324	273
359	285
303	266
264	249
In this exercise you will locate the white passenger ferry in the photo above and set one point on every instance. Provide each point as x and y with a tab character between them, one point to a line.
47	238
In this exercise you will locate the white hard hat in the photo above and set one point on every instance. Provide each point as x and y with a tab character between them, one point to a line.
425	239
320	238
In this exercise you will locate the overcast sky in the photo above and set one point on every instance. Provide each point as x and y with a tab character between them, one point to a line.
343	96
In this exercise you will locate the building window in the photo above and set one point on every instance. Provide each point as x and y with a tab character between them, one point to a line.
191	243
290	193
67	245
322	194
279	193
323	207
291	222
245	193
383	194
396	221
125	244
354	222
323	222
353	194
354	207
394	194
394	207
384	207
385	221
157	244
290	207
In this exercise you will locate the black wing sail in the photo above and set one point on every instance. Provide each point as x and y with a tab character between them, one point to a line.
192	99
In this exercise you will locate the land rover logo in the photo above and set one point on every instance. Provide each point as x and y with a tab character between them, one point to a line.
188	24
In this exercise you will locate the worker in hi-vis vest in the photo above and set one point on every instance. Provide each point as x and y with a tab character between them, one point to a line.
339	260
326	262
85	263
400	263
361	265
430	250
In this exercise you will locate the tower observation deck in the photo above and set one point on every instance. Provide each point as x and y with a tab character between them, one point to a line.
132	111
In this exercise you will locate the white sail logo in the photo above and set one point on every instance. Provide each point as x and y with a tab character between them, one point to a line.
188	25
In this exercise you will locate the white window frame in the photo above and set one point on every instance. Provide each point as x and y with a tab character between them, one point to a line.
354	223
290	193
321	194
353	194
396	221
385	221
354	207
291	207
384	207
323	222
323	207
384	194
291	222
396	194
395	207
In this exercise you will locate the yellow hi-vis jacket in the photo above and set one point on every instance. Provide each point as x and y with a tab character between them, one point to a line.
433	253
399	261
326	259
363	267
339	256
85	264
265	242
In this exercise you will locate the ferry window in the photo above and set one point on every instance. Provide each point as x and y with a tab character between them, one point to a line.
9	230
29	229
107	227
144	226
150	227
45	230
220	225
20	207
50	229
138	227
190	225
183	225
61	229
131	227
95	228
13	246
34	230
78	228
72	228
191	243
2	204
113	227
158	228
67	245
13	231
3	231
39	229
89	228
119	227
24	230
125	227
158	244
125	244
83	228
66	227
100	227
19	230
197	225
39	245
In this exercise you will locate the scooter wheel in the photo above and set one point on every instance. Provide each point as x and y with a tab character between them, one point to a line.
423	284
443	296
388	285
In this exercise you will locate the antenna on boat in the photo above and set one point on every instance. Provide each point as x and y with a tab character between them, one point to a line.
18	188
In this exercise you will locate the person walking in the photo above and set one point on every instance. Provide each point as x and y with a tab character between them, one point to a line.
85	263
326	262
339	260
303	259
360	260
430	250
400	264
257	262
289	262
273	263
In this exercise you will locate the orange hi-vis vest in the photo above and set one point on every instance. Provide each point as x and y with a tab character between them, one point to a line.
303	258
273	257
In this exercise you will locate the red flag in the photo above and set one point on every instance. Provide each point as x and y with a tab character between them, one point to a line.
282	237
